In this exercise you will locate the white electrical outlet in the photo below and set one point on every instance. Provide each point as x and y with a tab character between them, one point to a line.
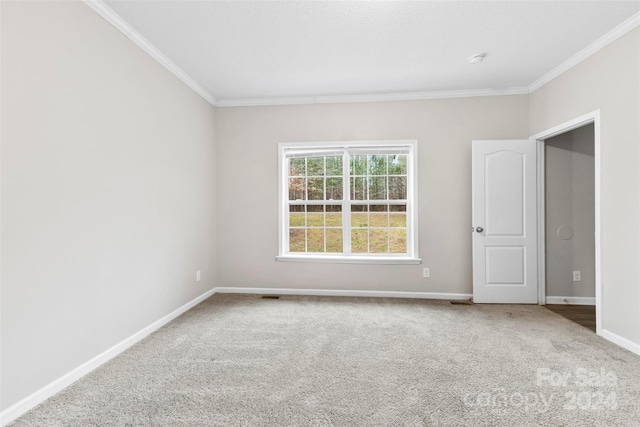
576	276
426	272
198	276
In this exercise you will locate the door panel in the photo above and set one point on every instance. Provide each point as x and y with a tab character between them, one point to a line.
504	222
505	266
503	193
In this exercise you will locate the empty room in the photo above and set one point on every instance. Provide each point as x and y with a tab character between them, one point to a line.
319	213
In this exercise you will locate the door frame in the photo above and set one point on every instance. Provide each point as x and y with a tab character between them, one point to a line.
592	117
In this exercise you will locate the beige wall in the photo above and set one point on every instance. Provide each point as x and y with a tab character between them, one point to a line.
610	81
108	190
247	140
570	202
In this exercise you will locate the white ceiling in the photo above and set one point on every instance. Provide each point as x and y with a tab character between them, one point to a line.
241	50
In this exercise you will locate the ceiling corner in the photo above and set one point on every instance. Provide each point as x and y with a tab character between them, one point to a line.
110	16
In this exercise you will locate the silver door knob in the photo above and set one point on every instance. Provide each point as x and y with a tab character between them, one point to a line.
479	229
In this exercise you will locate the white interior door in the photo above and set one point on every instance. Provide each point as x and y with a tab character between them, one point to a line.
504	222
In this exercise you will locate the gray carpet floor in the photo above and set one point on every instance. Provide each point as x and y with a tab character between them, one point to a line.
239	360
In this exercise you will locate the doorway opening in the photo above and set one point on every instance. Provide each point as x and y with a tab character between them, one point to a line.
570	225
569	220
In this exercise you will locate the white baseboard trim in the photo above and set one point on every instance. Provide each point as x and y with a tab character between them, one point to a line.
342	293
622	342
39	396
571	300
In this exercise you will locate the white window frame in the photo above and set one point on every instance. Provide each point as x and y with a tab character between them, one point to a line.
412	255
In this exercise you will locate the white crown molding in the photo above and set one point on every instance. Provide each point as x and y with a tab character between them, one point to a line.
416	96
257	102
383	97
128	31
594	47
115	20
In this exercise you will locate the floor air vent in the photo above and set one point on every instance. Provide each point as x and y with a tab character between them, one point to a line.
461	302
270	297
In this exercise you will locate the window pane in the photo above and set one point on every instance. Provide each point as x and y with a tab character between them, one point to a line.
398	164
360	241
315	242
296	216
315	216
358	165
296	189
297	167
377	165
334	166
334	216
315	166
334	188
358	189
398	240
377	188
334	239
378	241
296	240
359	216
315	188
378	216
398	216
398	187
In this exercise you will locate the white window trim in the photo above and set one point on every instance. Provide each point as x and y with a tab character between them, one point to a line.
412	257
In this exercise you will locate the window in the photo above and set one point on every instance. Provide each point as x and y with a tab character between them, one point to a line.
348	202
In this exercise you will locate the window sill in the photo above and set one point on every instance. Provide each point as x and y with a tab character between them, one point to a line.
345	259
